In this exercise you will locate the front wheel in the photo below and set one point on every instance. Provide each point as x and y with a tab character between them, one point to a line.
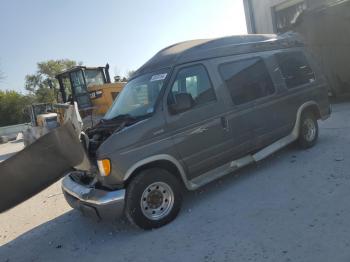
308	134
153	198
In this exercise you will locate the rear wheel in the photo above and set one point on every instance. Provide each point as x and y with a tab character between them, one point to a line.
308	134
153	198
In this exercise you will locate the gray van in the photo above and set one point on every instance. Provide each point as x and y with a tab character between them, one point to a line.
196	111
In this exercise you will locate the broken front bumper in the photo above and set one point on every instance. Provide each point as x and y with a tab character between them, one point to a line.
97	203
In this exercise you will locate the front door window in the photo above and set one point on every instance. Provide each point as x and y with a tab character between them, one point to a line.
195	81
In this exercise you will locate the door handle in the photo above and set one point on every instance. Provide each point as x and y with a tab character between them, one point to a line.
224	123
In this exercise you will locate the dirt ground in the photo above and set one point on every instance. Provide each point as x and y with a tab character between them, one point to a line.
294	206
8	149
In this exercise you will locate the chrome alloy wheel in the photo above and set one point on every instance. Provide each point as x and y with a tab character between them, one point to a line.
309	130
157	201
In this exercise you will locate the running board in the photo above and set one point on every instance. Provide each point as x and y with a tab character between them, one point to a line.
241	162
269	150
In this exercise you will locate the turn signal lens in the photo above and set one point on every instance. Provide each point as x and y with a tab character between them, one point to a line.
104	167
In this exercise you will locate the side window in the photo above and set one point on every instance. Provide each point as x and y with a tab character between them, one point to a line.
295	69
247	80
194	81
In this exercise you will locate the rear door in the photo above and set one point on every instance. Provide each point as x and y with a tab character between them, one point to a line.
199	134
272	123
293	80
249	86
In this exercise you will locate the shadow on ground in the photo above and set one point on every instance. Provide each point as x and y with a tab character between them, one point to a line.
289	207
72	236
6	156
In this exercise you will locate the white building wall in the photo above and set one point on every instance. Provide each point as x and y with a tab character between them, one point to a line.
10	130
326	32
261	11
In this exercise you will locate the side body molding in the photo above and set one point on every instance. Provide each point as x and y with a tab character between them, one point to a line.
231	166
293	136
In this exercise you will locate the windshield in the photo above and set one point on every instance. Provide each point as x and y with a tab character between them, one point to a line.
139	96
94	77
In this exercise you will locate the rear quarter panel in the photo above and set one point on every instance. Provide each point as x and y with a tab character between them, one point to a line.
316	91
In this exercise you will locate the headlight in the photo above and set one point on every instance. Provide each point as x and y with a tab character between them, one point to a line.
104	166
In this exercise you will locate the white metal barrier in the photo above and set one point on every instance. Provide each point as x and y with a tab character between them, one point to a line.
12	130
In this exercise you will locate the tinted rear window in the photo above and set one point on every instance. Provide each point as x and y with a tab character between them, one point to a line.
295	69
247	80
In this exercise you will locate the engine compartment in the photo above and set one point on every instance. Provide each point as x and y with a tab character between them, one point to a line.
99	133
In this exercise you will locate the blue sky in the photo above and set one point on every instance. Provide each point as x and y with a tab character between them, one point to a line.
124	33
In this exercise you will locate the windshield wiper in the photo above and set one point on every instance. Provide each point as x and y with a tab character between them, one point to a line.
126	117
115	124
118	118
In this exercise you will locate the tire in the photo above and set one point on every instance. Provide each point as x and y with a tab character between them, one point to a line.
153	198
308	133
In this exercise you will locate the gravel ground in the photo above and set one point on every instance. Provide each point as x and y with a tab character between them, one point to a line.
294	206
10	148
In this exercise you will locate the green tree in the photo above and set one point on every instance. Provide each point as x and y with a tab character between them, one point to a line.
12	107
43	83
130	74
2	76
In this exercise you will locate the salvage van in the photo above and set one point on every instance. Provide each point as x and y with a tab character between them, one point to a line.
196	111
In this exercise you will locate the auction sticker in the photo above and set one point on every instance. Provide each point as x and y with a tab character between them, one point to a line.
158	77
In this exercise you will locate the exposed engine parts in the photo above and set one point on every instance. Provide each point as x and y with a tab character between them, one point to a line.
104	129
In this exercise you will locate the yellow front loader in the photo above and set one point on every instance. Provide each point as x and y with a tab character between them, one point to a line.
89	87
86	94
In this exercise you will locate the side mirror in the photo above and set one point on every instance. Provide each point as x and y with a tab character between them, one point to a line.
183	102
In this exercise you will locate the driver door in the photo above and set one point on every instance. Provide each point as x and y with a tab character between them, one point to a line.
199	134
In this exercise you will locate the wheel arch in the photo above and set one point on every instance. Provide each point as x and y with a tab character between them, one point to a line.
310	106
166	162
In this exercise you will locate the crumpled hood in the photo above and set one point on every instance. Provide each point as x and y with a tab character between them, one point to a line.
123	138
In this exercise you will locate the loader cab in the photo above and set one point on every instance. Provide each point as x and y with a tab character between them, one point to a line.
74	84
42	114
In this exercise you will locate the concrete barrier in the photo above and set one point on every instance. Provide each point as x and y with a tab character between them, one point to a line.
12	130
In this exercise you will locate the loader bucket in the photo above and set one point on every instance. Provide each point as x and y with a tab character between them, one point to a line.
40	165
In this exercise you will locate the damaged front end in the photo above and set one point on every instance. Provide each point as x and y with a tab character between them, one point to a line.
83	190
68	151
96	135
63	152
84	194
